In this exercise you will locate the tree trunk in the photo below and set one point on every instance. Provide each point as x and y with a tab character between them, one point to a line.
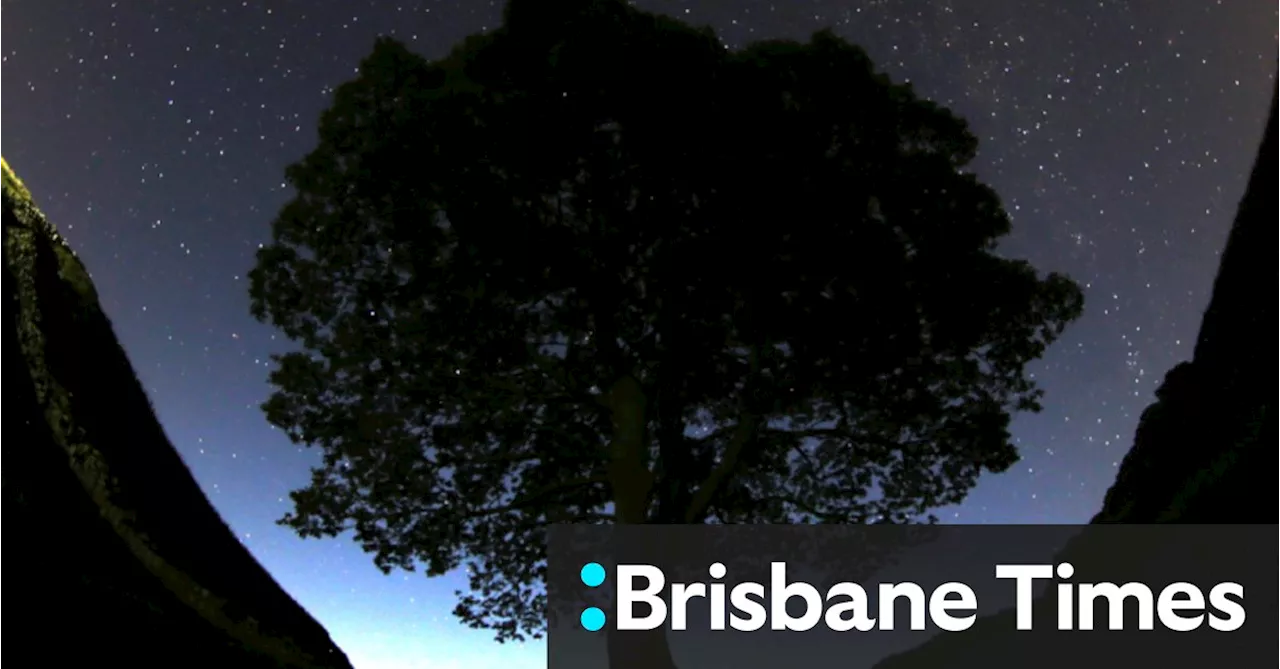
632	483
639	650
628	473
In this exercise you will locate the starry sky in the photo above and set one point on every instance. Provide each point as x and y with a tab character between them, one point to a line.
155	135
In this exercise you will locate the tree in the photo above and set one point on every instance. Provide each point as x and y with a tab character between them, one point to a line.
595	267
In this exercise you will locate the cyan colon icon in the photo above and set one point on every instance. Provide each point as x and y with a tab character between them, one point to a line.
592	576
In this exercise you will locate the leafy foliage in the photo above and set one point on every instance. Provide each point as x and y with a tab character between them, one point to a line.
595	267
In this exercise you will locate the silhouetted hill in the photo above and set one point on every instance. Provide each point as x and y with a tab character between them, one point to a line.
1206	450
115	555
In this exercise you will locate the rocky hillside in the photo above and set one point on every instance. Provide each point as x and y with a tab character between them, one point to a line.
115	555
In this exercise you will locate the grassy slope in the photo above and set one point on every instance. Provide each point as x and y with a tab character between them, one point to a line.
117	535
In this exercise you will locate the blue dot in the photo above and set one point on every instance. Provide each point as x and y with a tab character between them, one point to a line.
592	574
592	619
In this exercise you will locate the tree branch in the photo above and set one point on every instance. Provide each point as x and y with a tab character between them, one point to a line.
536	497
542	493
582	517
743	434
824	516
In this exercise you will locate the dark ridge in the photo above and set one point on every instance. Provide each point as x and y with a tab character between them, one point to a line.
1205	451
114	538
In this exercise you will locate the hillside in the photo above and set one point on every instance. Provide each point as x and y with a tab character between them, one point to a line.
115	554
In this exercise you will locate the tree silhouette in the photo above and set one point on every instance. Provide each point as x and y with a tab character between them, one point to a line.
593	266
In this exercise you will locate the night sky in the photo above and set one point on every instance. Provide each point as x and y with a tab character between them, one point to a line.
155	136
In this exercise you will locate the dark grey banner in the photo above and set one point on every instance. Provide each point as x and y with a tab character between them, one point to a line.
913	597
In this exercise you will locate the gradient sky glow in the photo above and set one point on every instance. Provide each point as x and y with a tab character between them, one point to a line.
155	136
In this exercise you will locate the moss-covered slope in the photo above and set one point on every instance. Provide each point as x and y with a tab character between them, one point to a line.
115	555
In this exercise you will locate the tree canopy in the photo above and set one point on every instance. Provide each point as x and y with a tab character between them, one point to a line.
593	266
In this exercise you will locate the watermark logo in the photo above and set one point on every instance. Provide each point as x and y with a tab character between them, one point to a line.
903	596
749	606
